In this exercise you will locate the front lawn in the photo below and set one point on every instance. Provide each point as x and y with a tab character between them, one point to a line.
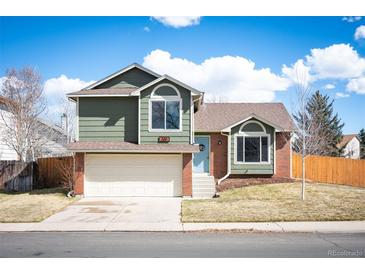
279	202
32	206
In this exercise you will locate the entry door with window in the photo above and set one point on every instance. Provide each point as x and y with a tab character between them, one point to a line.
201	159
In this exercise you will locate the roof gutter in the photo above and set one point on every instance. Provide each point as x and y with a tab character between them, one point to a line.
130	151
228	158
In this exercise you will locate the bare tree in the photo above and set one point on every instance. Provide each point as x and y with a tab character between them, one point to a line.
23	103
215	99
309	139
68	119
67	173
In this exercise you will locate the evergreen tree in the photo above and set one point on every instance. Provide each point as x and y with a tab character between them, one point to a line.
326	126
362	143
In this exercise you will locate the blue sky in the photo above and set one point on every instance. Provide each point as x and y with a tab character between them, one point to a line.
220	50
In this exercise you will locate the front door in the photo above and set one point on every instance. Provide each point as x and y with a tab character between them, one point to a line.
201	159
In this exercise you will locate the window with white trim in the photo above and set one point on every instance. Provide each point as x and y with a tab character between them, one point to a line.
252	146
165	108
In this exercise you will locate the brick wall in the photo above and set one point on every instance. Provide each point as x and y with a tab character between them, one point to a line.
79	172
218	155
187	173
282	154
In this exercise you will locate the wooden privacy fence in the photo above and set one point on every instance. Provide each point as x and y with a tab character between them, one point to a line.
51	171
333	170
16	176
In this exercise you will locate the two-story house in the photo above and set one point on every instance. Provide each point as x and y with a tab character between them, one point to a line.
144	134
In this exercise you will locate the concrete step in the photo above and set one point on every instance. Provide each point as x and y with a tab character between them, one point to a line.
201	183
203	195
208	181
203	186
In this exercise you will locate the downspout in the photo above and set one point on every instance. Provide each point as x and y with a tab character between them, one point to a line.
228	158
192	120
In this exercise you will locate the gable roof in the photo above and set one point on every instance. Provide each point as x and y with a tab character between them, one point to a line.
222	116
167	77
102	92
127	91
346	139
119	146
119	72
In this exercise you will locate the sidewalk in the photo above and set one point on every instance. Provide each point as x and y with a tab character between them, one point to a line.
322	227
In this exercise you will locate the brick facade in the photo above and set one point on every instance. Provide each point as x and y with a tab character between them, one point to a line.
79	173
282	154
218	155
187	173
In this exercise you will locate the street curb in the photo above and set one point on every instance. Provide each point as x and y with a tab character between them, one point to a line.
283	227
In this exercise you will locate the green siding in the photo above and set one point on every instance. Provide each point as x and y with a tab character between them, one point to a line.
252	168
182	137
108	119
132	78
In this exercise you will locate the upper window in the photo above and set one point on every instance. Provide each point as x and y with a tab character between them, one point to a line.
252	144
165	108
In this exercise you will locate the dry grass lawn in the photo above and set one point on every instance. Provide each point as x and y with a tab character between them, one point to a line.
32	206
279	202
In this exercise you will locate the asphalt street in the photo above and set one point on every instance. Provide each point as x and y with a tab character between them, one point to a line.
181	244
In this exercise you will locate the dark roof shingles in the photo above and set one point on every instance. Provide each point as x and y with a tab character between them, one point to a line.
346	138
217	116
128	147
104	91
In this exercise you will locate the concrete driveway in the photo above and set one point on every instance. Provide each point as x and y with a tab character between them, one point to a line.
119	214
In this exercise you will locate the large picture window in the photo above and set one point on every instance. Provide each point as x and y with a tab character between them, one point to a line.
165	115
165	108
252	149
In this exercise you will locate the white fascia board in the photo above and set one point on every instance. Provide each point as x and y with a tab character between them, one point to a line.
210	131
163	77
119	72
130	151
277	128
101	95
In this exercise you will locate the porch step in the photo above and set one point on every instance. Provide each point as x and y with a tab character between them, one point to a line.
203	186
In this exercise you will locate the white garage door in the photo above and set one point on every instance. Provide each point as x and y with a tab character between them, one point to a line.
133	175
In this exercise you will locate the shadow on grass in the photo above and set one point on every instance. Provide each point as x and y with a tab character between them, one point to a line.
54	190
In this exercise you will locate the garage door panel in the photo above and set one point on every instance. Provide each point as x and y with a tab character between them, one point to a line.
133	175
132	189
132	160
134	172
138	174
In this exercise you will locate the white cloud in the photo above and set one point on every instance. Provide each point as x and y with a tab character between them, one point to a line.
178	21
351	19
298	73
360	33
146	29
356	85
329	86
232	78
341	95
55	90
62	85
338	61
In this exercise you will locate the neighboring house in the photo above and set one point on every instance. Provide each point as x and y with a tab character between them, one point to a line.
350	146
54	141
143	134
6	153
